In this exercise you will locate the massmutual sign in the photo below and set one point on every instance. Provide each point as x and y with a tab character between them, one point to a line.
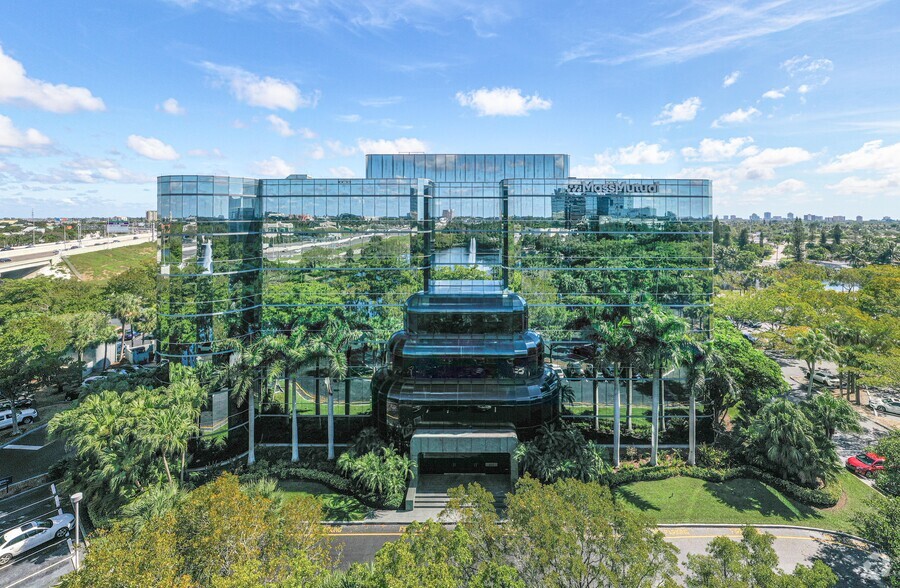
610	187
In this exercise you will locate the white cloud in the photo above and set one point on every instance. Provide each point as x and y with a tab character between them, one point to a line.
624	117
13	138
865	186
872	156
341	171
737	117
680	112
783	188
718	150
401	145
812	72
349	118
642	154
317	152
703	28
238	124
17	88
206	153
265	92
274	167
283	128
340	149
501	102
731	78
762	165
775	94
638	154
152	148
172	107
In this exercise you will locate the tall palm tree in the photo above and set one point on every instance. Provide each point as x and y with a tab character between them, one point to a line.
659	337
291	351
244	374
613	343
126	307
167	431
833	414
327	349
707	376
811	347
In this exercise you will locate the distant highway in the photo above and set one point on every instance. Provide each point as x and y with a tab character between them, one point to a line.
25	258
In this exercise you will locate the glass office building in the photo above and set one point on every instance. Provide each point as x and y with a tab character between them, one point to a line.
435	248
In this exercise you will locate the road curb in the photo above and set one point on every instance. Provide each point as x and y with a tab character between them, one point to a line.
662	526
25	434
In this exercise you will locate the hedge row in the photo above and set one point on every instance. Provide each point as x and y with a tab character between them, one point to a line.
825	497
290	471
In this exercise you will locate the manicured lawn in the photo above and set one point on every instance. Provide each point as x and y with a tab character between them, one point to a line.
101	265
741	501
338	507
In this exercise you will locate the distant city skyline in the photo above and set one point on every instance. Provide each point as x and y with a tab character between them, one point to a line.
792	103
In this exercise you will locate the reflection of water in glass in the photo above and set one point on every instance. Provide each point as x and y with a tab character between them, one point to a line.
483	260
473	249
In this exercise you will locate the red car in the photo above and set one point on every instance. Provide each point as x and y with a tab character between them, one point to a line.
865	464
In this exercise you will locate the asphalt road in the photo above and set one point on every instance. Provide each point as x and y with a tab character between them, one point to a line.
45	565
853	561
21	255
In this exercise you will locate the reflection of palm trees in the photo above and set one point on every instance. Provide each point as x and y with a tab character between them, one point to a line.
659	337
613	343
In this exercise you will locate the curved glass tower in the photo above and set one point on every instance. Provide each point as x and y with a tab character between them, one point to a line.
465	359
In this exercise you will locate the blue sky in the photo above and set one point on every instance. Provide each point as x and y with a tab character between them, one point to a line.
787	105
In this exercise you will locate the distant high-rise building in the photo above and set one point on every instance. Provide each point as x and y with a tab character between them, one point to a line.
859	218
754	217
790	216
838	218
151	216
767	216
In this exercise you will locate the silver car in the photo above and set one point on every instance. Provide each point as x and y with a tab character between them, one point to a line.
30	535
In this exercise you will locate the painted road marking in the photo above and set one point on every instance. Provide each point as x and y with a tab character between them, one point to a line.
24	447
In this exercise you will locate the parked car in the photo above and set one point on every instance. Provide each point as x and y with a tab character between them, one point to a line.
865	464
889	405
6	249
575	370
26	416
558	371
5	259
88	381
22	401
823	379
30	535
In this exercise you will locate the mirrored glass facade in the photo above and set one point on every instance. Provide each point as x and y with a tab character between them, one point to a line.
241	256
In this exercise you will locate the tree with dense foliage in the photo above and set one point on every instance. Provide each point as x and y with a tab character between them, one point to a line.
382	471
889	448
881	524
797	239
89	329
751	563
31	352
709	378
613	342
121	447
219	535
781	438
811	347
660	338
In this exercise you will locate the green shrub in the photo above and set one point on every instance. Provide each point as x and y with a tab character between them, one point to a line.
712	457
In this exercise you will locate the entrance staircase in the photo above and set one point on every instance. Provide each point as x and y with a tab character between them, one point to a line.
432	492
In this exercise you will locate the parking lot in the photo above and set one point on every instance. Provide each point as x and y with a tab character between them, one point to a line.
43	565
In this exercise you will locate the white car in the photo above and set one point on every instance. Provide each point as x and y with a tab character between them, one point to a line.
558	371
20	539
25	416
88	381
890	406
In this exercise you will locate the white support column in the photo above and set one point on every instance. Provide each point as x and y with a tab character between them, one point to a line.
692	431
295	433
654	420
617	417
251	442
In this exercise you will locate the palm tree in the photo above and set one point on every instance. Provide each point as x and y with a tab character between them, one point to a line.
855	254
707	376
327	349
613	343
811	347
659	337
126	307
88	329
167	431
291	352
833	414
243	375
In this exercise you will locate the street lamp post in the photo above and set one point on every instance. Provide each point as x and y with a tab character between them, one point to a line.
76	499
